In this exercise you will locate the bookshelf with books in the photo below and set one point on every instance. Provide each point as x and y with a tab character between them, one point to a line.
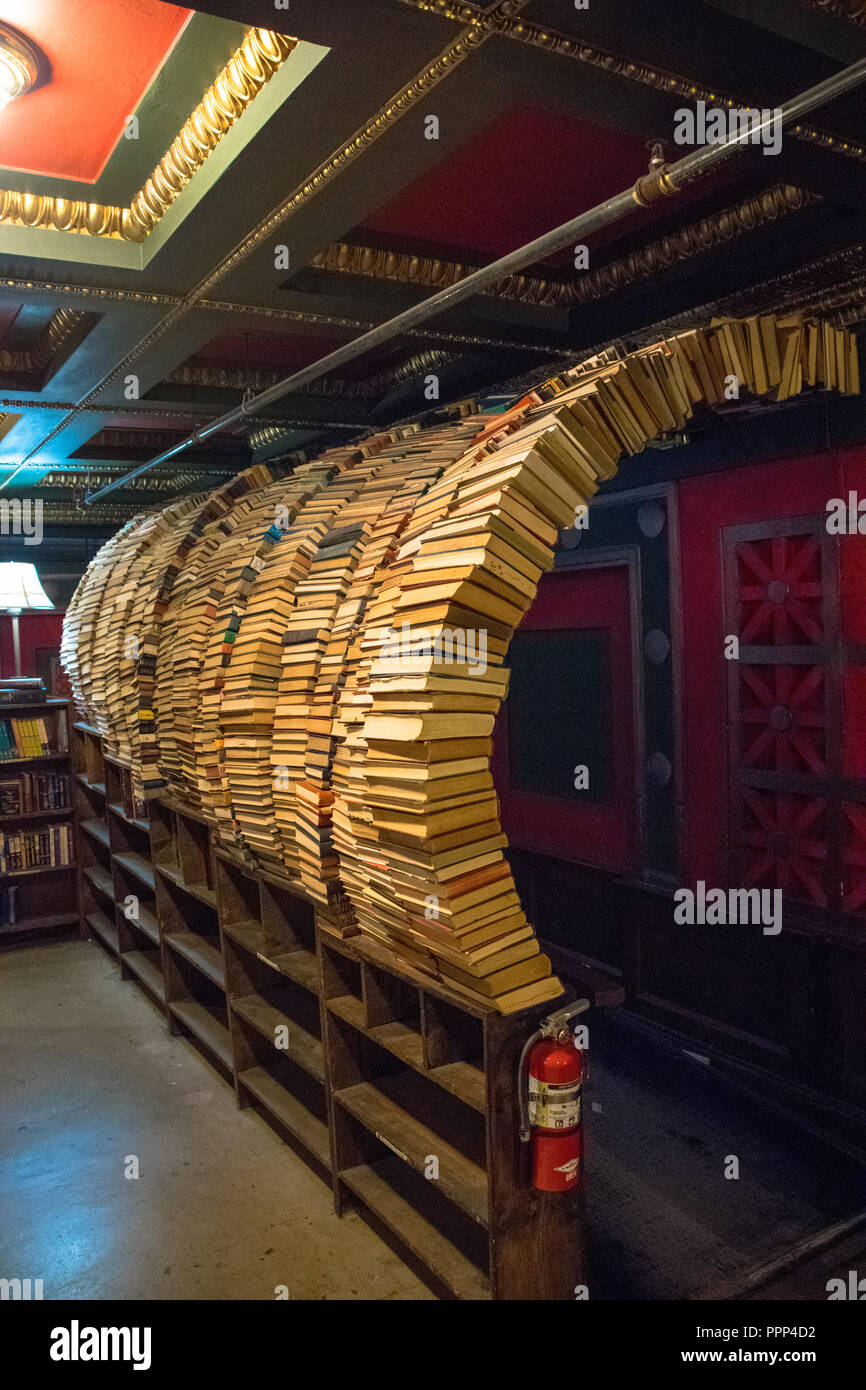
94	854
37	823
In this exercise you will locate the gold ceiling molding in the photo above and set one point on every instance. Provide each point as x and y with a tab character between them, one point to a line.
250	67
267	434
61	513
264	311
88	479
697	237
433	273
63	325
229	376
852	10
647	74
414	91
689	241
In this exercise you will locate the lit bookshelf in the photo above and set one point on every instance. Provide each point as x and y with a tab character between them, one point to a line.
38	869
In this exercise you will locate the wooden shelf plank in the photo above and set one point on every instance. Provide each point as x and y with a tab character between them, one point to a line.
298	965
148	971
40	869
209	1031
97	830
53	702
249	934
460	1179
398	1038
377	1185
57	919
360	947
99	880
146	922
67	811
138	866
105	929
130	820
460	1079
91	786
42	758
199	952
304	1048
197	890
297	1119
287	882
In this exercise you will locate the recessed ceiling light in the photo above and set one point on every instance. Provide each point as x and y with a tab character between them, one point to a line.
19	65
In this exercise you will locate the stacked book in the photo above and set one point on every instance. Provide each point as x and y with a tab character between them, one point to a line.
316	659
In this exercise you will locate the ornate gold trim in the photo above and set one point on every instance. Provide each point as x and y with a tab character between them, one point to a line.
554	41
854	11
260	55
57	332
692	240
689	241
96	476
264	311
414	91
230	377
433	273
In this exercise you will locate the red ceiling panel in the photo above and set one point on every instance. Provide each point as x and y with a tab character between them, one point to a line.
523	174
103	54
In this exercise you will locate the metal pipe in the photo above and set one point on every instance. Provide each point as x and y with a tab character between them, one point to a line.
664	182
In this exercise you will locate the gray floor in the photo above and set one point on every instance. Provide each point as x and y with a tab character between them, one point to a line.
222	1208
665	1221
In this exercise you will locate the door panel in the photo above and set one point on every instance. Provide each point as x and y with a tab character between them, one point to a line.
571	704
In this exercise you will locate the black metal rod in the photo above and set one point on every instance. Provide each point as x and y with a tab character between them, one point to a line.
674	177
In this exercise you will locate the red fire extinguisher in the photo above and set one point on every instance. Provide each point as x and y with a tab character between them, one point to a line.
552	1071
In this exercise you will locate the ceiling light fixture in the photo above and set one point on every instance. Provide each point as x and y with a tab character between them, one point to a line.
19	65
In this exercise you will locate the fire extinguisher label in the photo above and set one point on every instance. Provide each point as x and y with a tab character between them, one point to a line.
554	1106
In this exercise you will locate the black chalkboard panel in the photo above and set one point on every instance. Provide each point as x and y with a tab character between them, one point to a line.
559	712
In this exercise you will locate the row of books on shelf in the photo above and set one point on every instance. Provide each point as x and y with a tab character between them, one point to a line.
26	738
34	791
36	849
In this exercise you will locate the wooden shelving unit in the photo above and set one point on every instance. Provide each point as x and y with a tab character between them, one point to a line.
424	1127
41	889
274	992
192	961
117	880
402	1097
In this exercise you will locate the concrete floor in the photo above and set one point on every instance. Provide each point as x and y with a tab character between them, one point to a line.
222	1209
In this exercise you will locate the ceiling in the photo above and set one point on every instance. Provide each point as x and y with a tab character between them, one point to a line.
102	56
280	200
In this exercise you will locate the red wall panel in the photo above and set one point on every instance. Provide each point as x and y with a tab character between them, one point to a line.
37	630
708	505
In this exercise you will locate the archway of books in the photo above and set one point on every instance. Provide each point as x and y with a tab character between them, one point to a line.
313	656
